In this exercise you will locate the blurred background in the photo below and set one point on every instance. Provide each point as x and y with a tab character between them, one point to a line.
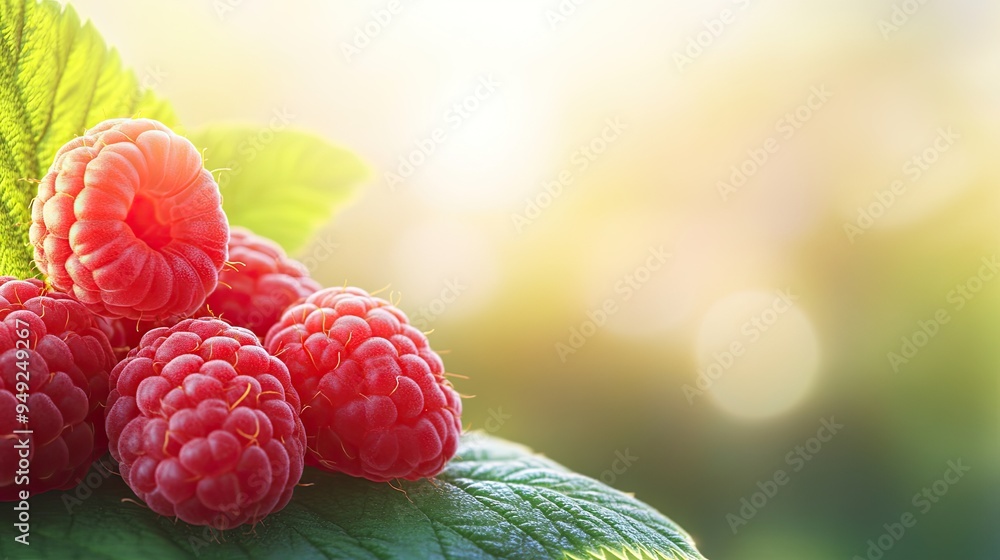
734	256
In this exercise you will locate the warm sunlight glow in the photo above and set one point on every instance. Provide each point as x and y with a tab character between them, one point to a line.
758	353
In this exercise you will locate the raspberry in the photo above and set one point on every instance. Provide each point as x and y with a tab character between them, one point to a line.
204	424
375	400
129	222
67	361
262	285
125	334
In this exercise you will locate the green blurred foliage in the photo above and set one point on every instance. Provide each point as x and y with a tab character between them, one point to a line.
279	182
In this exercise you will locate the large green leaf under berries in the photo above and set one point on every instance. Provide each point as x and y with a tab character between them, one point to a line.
57	78
495	500
280	182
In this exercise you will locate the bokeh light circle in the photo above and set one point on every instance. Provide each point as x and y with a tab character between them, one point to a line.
757	352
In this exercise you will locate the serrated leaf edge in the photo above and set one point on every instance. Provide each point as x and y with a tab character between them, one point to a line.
628	552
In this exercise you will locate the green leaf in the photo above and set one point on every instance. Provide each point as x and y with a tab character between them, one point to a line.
280	183
57	78
495	500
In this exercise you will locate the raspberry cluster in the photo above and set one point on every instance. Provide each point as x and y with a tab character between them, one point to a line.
145	340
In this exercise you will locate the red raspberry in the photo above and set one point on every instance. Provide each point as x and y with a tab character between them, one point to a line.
261	284
125	334
376	402
67	360
204	424
129	222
